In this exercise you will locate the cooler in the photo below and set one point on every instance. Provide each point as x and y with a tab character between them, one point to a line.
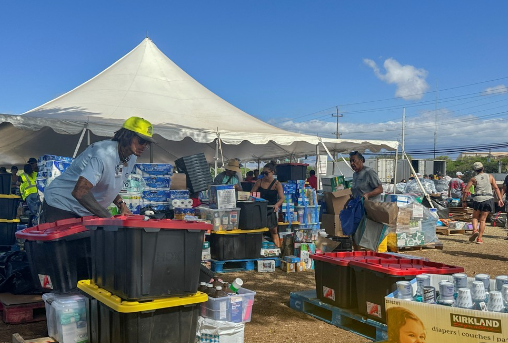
291	171
254	214
7	231
166	320
9	205
377	279
335	281
236	244
58	254
235	308
140	260
5	183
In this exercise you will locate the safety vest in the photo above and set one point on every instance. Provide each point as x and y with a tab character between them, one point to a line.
28	185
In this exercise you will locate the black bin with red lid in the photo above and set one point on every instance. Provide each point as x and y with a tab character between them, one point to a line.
59	254
137	259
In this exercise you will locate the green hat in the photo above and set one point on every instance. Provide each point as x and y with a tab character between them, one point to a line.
141	127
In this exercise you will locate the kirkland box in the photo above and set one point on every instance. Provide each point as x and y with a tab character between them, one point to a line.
235	308
166	320
222	196
447	324
384	276
236	244
142	259
59	254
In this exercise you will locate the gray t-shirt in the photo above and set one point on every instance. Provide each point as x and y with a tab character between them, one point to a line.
100	164
365	181
223	179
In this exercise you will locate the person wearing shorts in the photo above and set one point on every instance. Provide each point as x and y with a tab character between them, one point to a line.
483	200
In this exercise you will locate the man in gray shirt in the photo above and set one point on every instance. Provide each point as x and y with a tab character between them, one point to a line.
366	183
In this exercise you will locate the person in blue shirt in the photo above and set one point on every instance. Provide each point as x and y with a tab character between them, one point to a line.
94	179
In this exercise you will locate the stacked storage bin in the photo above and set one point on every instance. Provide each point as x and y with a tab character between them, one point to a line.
157	180
145	276
59	254
8	210
197	170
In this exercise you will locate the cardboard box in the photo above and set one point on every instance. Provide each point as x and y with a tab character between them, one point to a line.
300	267
266	266
404	216
270	252
179	181
331	224
335	201
449	324
222	197
243	196
287	267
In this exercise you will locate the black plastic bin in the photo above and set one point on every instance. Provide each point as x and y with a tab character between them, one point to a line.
9	206
167	320
236	244
141	260
253	215
345	244
8	231
374	281
59	254
5	183
335	281
291	171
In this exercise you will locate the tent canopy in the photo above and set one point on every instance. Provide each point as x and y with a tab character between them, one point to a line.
187	117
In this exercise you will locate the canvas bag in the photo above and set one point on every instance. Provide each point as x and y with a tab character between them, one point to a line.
382	212
351	215
370	234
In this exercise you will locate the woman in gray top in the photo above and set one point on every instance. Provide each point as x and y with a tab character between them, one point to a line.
366	183
483	200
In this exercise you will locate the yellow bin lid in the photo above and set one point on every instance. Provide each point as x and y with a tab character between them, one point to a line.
123	306
9	221
231	232
9	196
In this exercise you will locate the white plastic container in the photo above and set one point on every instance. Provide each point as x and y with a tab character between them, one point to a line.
235	308
66	317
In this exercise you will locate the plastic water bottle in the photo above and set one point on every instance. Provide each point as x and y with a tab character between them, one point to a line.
459	281
422	281
446	291
479	296
405	290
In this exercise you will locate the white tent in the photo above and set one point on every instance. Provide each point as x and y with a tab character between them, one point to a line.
187	117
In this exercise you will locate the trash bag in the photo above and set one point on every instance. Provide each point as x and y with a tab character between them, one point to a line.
412	187
15	276
439	204
351	215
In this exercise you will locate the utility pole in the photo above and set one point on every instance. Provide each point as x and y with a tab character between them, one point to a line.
337	134
403	128
435	119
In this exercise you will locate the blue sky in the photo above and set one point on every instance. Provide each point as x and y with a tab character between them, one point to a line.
286	62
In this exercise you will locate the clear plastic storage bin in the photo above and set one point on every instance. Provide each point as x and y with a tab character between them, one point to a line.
222	219
66	317
235	308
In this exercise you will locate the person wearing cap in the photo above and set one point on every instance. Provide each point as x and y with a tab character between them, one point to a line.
230	175
483	200
366	183
94	179
28	188
456	186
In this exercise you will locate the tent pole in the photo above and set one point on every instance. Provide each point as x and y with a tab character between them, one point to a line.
317	167
151	152
88	136
216	154
418	180
395	172
79	142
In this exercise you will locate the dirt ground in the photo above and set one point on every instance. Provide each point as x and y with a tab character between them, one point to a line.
274	321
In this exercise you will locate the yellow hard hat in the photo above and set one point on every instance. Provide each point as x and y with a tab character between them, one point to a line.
141	127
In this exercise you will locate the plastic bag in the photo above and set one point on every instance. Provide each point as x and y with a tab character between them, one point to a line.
412	187
441	187
15	276
370	234
439	204
351	215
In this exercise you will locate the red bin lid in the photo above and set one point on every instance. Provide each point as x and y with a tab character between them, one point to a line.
53	231
344	258
413	267
138	221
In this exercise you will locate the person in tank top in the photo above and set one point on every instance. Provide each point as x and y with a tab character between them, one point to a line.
483	200
271	190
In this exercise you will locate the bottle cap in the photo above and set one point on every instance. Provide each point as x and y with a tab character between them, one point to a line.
219	288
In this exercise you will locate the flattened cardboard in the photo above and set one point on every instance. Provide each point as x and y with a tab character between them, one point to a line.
331	224
179	181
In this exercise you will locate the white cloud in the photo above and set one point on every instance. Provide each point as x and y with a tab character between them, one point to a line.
497	90
409	80
453	130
